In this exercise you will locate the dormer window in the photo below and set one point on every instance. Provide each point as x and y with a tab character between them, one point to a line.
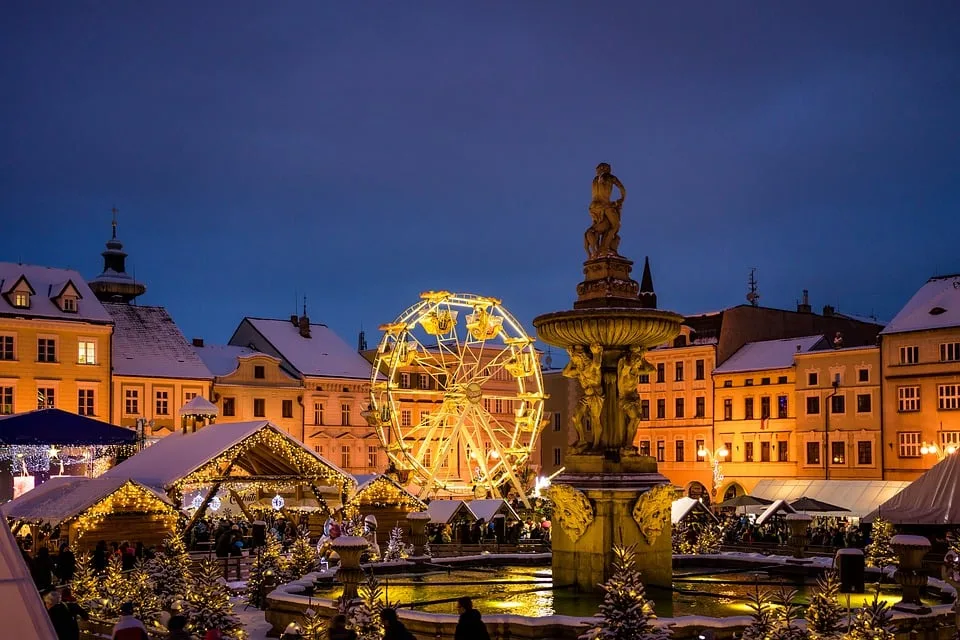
69	304
21	299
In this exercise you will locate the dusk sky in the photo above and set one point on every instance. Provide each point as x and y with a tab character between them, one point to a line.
359	153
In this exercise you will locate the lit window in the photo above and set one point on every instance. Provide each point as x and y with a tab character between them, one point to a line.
908	399
838	453
813	453
909	444
85	402
781	406
21	299
6	401
46	398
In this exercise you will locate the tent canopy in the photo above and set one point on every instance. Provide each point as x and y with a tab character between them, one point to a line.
682	507
63	498
55	426
932	499
745	501
859	497
199	406
448	511
23	613
810	505
778	506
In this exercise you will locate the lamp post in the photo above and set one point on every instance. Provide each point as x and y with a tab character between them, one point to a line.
714	458
940	452
826	428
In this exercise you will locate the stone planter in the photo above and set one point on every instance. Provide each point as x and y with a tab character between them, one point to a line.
418	530
910	551
350	548
798	523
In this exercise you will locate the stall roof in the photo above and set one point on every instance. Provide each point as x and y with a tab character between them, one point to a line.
23	613
933	498
778	506
367	481
682	507
444	511
55	426
256	447
486	509
60	499
859	496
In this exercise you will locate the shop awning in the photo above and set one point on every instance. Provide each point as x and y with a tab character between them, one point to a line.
55	426
860	497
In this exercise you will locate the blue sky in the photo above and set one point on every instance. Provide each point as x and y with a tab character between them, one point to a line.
359	153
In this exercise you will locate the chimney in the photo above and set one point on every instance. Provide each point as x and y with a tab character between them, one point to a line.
294	320
827	311
304	326
804	306
838	341
198	342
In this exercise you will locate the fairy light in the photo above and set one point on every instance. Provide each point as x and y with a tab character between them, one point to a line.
130	499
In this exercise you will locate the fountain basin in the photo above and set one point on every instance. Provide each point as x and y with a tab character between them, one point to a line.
611	327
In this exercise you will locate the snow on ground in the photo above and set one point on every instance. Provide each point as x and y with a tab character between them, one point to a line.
252	619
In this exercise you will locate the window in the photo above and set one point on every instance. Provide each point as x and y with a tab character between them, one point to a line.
644	447
699	370
444	461
838	404
404	380
764	452
748	408
259	408
783	454
813	379
701	407
163	403
345	414
838	452
908	399
286	409
424	417
948	396
344	456
863	375
728	383
678	368
487	405
131	402
679	451
765	407
7	351
728	409
661	450
644	378
781	406
188	396
46	398
258	372
556	456
909	444
46	350
428	457
950	352
497	405
764	380
865	452
661	408
229	407
318	413
909	355
950	438
69	304
748	452
318	448
6	401
864	402
729	447
406	417
813	453
678	407
748	382
557	421
782	380
21	299
661	375
85	402
699	444
813	405
644	409
423	381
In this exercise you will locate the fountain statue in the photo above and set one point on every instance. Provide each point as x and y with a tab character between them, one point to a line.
609	494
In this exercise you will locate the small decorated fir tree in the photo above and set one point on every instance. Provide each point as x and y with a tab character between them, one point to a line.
141	590
208	603
314	627
762	613
114	589
872	622
268	565
787	616
879	553
395	549
303	557
364	615
625	614
86	585
170	571
825	616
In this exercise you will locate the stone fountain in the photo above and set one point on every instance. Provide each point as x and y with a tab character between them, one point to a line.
609	494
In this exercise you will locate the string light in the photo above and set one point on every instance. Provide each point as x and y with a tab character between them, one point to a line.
383	492
130	499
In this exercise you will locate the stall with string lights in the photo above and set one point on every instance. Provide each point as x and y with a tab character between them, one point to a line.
384	498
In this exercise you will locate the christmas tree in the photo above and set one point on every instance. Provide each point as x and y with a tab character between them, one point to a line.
787	616
363	616
879	553
208	603
267	568
114	588
872	622
141	592
825	616
761	611
314	627
303	557
170	570
395	549
625	614
86	585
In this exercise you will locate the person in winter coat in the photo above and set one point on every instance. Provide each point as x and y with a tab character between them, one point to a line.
64	616
470	626
66	564
393	629
99	559
178	629
338	629
129	626
42	570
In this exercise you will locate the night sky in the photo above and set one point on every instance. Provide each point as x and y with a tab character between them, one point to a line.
361	155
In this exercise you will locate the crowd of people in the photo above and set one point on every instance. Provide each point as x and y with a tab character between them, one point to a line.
823	532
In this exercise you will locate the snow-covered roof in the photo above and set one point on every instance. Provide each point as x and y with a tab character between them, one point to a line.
224	359
935	306
860	497
931	499
62	498
48	282
683	506
443	511
199	406
486	509
176	456
769	354
368	480
146	342
21	609
323	354
778	506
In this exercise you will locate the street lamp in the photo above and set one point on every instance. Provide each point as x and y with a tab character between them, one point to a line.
940	452
715	458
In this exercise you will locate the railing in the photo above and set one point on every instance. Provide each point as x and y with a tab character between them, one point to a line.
468	549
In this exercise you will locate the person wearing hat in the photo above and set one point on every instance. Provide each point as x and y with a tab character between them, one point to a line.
129	626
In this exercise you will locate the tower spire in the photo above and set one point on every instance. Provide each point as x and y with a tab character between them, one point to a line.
114	284
114	211
647	295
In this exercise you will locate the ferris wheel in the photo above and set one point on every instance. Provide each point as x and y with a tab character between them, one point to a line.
457	395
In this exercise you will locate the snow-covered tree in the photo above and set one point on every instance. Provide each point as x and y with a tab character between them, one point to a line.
170	571
787	616
208	603
395	549
625	613
872	622
141	592
363	615
762	614
314	626
697	537
86	585
879	552
268	565
114	588
825	617
303	557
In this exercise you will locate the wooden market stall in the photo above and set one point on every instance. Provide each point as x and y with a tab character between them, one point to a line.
454	514
381	496
87	510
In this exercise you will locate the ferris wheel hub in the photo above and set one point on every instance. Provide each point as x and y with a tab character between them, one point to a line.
473	392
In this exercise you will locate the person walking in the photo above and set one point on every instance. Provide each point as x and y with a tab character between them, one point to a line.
393	629
470	626
129	626
63	616
338	629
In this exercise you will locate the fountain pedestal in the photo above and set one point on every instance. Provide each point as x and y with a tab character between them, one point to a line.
909	575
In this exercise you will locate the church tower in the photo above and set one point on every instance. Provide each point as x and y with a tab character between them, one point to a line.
115	284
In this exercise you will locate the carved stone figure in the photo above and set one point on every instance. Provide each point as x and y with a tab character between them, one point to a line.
652	511
603	236
629	370
572	509
585	368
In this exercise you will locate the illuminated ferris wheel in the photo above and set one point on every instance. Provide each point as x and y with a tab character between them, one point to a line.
457	395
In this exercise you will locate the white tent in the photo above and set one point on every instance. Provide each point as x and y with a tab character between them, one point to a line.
780	506
933	498
447	511
860	497
21	609
199	406
682	507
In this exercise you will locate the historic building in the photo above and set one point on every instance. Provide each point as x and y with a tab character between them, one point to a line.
920	363
54	342
563	395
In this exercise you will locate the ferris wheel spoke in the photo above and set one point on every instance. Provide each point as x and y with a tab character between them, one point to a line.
507	466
